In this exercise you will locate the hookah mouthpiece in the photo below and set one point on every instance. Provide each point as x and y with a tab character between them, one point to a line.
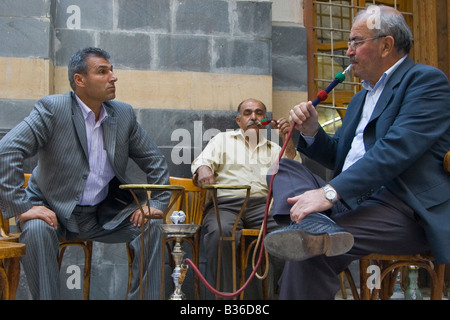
323	94
347	69
265	122
340	76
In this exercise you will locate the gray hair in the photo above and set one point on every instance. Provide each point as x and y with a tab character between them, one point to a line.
391	23
78	62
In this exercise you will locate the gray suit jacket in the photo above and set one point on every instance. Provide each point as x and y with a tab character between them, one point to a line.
55	130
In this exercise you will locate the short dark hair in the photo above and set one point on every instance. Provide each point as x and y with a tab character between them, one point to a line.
78	62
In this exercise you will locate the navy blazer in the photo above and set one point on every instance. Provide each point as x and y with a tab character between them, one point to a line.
55	130
406	140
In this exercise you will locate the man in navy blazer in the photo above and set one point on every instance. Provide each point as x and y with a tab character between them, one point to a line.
84	141
390	193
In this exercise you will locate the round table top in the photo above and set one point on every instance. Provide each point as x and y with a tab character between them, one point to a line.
151	186
226	186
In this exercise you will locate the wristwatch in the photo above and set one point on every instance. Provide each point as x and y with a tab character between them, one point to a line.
330	193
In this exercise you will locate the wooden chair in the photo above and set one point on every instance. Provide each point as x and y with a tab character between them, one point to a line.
192	204
10	253
391	265
447	162
254	236
244	255
86	245
232	239
244	250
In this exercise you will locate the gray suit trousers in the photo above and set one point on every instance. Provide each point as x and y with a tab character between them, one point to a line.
381	224
42	241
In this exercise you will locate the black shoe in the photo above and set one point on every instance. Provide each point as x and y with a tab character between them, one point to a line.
316	234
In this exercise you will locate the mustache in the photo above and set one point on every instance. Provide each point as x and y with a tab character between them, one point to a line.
252	122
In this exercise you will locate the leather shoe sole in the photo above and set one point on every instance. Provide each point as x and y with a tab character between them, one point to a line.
294	243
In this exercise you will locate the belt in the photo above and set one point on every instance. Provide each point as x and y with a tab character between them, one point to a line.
82	209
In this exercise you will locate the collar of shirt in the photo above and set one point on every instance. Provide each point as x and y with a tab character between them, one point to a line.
100	169
262	137
87	112
384	78
357	149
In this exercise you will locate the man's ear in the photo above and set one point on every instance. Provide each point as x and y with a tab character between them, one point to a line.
79	80
388	45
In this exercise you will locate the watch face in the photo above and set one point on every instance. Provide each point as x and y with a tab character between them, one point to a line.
330	194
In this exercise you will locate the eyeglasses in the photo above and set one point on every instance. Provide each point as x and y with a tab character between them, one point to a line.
354	44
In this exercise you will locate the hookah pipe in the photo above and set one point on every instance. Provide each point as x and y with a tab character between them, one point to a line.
339	78
321	96
265	122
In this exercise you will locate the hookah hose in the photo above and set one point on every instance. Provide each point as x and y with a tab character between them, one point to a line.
321	96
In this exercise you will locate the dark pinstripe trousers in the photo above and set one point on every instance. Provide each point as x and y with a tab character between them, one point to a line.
42	241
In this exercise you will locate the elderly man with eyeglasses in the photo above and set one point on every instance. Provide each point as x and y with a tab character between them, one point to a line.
389	193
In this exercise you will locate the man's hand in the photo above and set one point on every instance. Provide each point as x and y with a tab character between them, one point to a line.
204	176
283	126
40	212
309	202
305	118
137	218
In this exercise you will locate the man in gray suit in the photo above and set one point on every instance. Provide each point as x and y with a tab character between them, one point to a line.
84	141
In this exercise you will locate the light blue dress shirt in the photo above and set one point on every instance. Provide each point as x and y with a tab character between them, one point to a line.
101	171
357	149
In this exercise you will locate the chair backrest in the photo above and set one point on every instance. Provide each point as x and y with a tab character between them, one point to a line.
193	200
27	177
447	162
